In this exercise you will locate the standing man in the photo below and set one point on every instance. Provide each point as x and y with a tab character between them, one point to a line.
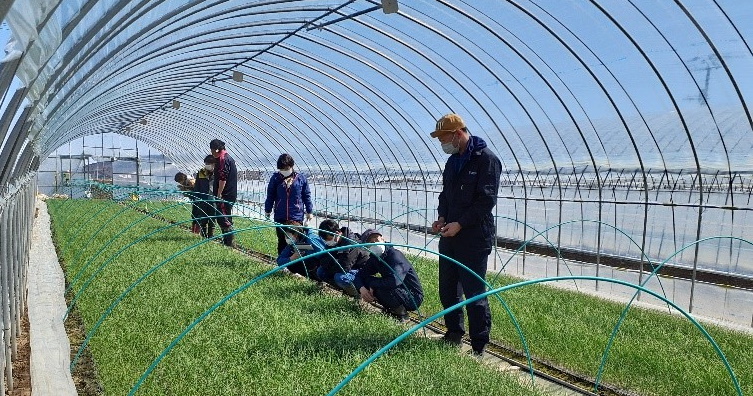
225	188
465	222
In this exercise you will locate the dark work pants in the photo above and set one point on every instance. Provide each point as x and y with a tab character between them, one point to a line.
225	221
281	242
393	298
454	281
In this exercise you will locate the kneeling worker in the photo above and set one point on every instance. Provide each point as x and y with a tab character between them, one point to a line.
398	289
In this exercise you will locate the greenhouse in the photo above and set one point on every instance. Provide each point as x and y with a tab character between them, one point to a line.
424	197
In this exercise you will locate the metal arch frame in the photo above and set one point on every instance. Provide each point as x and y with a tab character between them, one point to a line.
352	56
189	113
187	120
420	53
363	97
690	140
645	122
259	106
7	72
606	93
504	137
692	77
127	82
205	125
95	47
219	104
10	151
245	100
120	99
564	106
350	105
290	34
94	69
254	55
301	137
173	47
516	97
229	110
403	68
719	56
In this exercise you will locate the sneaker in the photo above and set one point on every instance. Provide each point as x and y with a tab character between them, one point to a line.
478	355
351	291
453	339
398	313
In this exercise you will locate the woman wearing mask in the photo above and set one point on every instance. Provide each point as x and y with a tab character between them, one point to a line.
289	195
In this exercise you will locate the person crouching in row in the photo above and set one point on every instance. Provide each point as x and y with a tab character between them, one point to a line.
398	288
301	242
341	266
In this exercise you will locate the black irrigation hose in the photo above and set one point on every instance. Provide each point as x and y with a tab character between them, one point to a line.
542	369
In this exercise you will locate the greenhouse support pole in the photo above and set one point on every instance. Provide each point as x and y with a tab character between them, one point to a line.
4	247
4	300
12	267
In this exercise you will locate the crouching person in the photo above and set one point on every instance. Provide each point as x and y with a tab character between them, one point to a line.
340	267
301	242
398	289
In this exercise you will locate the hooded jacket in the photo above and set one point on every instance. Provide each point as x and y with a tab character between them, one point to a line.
290	197
469	193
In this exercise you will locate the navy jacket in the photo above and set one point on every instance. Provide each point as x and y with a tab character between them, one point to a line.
469	193
346	259
396	272
225	170
289	196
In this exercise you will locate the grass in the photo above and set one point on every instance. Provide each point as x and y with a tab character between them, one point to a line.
654	353
280	336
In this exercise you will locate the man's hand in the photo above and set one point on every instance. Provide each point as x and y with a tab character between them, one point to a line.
295	256
366	294
450	230
309	216
436	227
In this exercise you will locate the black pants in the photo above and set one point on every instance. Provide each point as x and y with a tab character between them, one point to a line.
394	297
203	222
225	221
281	242
454	281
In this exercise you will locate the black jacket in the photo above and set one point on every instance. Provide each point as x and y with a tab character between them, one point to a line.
396	272
225	170
346	259
469	193
202	197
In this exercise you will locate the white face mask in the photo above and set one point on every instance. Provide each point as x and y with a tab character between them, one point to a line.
450	148
377	250
286	172
209	167
331	243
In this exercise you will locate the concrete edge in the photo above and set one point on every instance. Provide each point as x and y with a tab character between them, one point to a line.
50	347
